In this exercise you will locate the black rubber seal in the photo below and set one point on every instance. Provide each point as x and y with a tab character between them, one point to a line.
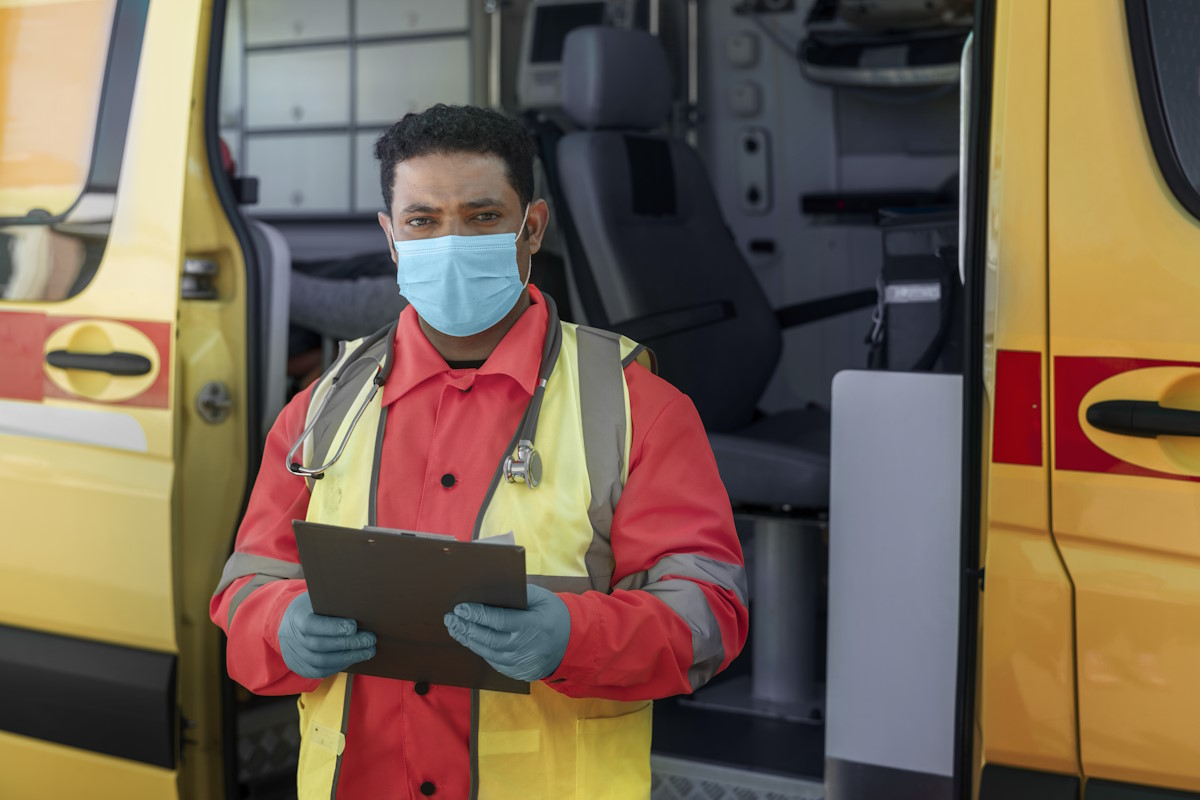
1145	71
999	782
118	701
975	265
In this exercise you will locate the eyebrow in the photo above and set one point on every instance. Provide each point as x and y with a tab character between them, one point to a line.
482	202
470	205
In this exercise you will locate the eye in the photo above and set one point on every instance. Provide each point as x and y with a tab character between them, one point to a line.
487	216
418	222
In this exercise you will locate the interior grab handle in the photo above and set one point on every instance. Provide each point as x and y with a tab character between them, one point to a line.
124	364
1144	418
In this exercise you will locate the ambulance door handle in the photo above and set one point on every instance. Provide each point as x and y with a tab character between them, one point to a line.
1144	418
124	364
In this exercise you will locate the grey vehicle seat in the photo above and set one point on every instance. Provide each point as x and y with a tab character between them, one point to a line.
661	266
275	266
651	257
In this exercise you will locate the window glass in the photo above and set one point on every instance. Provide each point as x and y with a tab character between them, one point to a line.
55	205
1175	41
52	65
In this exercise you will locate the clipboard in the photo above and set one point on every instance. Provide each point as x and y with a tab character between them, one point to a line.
399	585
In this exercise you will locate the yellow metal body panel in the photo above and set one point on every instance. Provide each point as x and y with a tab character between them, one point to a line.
35	770
99	336
124	545
212	459
1027	710
1174	387
1124	283
53	66
91	555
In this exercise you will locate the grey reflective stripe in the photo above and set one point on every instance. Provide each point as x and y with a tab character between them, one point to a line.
602	413
474	745
696	567
340	404
240	565
337	769
671	580
342	397
243	593
558	583
319	389
638	351
551	349
373	503
688	601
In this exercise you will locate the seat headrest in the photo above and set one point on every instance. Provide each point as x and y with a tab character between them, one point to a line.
615	78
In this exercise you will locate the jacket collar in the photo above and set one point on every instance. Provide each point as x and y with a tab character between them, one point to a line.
517	356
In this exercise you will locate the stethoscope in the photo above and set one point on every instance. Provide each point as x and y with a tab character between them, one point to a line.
525	466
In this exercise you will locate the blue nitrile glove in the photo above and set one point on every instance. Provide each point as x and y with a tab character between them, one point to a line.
526	645
316	646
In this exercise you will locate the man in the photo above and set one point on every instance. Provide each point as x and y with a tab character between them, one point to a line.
648	593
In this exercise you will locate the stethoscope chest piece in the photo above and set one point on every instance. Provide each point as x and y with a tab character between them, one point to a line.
526	466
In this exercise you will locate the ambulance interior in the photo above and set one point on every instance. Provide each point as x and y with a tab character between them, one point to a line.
765	192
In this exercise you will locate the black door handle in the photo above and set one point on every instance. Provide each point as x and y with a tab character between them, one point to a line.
1143	418
113	363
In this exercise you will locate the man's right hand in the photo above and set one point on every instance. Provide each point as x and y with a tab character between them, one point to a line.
315	646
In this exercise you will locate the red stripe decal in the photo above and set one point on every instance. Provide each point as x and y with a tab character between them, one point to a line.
1017	431
22	336
156	395
1074	377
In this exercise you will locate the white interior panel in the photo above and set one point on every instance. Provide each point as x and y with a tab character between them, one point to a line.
396	79
233	140
300	174
895	492
229	103
292	89
368	195
389	17
288	21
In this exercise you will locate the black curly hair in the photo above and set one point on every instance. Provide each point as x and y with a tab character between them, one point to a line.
457	129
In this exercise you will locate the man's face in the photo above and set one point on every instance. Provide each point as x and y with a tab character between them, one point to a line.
461	194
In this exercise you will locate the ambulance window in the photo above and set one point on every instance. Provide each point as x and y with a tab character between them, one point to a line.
1166	55
67	70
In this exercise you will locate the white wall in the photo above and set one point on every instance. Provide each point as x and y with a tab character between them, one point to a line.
308	85
821	140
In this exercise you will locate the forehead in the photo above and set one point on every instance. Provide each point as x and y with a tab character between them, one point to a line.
446	178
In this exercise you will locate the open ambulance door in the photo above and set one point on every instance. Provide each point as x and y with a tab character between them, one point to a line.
1090	642
123	401
1124	377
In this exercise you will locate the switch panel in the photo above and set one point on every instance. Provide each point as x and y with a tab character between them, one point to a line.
764	6
754	170
745	99
741	50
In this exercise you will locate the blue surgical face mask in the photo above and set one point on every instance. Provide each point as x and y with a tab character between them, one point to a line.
461	285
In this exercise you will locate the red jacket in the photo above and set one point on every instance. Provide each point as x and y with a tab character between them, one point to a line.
445	433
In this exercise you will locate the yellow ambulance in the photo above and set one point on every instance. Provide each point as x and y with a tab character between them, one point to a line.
140	368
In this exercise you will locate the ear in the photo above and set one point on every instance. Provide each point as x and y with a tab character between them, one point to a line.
536	224
386	224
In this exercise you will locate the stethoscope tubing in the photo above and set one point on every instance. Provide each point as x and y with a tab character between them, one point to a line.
529	420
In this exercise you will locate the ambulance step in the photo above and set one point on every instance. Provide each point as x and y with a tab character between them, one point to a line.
268	745
683	779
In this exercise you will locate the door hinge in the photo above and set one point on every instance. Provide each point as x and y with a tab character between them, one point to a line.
197	280
978	574
214	402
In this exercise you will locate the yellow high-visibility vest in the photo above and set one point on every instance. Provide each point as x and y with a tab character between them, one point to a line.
544	745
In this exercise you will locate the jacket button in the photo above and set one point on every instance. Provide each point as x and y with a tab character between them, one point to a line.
448	480
421	688
427	788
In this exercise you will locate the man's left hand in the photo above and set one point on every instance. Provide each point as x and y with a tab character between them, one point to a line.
525	645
